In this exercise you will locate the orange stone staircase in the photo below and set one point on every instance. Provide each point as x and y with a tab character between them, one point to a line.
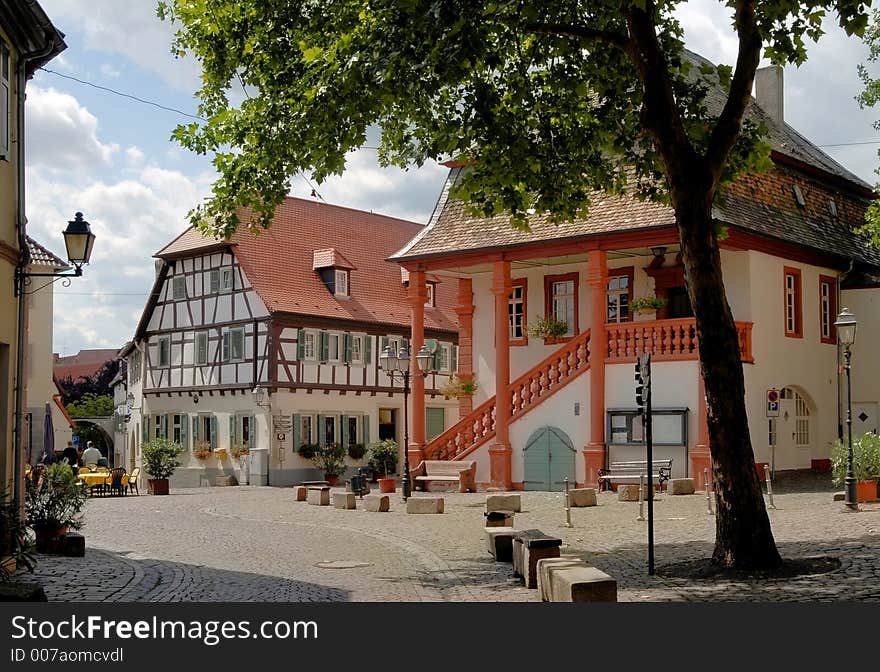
526	392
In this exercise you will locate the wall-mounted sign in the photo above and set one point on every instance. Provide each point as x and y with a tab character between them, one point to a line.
773	403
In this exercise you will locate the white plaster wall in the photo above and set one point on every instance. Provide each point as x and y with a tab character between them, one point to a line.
865	305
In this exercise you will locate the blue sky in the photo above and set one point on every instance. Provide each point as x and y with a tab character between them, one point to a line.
112	158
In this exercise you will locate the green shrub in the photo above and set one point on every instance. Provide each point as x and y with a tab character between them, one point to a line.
55	500
866	458
330	459
161	457
383	456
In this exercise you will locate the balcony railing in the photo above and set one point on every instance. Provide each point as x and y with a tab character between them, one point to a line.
668	340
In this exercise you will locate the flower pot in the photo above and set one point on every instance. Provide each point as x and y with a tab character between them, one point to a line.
331	480
867	490
48	539
387	484
158	486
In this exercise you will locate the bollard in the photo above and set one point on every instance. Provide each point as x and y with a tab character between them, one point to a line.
641	497
708	493
769	486
567	505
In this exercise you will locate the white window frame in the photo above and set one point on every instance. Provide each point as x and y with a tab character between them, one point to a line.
177	431
517	321
790	303
445	361
340	288
200	335
227	345
357	348
178	287
333	418
214	281
339	339
430	294
564	302
167	361
825	308
617	299
227	280
310	338
5	98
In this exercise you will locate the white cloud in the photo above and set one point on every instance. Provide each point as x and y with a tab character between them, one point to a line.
134	157
62	134
109	71
133	30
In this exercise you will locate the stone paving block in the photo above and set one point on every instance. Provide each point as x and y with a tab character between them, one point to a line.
499	518
499	541
546	565
681	486
580	497
318	496
300	493
377	503
344	500
503	503
424	505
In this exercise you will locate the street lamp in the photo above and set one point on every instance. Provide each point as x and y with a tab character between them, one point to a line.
846	333
79	240
396	364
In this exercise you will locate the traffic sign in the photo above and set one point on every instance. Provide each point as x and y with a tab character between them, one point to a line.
773	403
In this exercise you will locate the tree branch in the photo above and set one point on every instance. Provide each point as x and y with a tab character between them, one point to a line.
728	126
580	32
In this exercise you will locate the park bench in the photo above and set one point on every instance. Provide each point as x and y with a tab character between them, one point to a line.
629	472
463	472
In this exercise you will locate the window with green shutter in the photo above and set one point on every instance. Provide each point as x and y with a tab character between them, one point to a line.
297	432
435	422
365	429
368	347
347	348
325	346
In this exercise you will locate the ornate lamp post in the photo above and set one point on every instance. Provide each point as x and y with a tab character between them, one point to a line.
846	333
79	240
396	364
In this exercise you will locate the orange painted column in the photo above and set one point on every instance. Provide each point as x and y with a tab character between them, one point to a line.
465	311
597	279
418	294
701	458
499	452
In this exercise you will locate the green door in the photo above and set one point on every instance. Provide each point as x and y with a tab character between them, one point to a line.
547	459
435	422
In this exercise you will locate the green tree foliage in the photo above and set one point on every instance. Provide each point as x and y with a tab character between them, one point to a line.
98	384
91	405
547	101
869	98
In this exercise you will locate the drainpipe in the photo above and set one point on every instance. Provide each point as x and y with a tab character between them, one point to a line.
840	278
24	261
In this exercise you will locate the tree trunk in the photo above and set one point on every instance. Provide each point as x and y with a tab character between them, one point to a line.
743	536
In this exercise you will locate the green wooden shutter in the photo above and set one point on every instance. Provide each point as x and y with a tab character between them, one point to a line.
454	364
215	280
232	430
297	430
368	348
404	345
195	426
252	431
184	421
301	344
214	431
365	429
435	421
322	434
226	349
346	348
383	345
145	428
343	431
325	346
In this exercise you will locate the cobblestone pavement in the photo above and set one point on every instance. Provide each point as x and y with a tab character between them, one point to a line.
257	544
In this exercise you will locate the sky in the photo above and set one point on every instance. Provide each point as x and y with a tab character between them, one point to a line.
112	158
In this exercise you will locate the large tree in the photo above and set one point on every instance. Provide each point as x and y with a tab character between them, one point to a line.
547	100
870	97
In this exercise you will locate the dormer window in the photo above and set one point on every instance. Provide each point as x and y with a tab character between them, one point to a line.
799	196
430	287
340	283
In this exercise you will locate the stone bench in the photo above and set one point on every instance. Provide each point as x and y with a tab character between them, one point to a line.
344	500
377	503
319	495
680	486
511	503
573	580
424	505
224	481
499	518
529	546
630	493
460	474
499	542
300	493
581	497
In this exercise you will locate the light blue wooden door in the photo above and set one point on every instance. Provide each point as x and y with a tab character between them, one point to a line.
547	459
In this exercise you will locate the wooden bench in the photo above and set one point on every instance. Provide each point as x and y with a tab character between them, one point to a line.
629	472
463	472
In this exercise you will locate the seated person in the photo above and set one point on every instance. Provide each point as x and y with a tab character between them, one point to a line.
102	462
91	455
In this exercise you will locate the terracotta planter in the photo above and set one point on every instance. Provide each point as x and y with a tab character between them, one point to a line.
867	491
48	539
387	484
158	486
331	480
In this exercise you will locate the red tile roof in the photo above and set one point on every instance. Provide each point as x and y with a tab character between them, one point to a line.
279	263
83	364
40	256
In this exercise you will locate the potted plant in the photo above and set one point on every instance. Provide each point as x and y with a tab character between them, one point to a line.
241	452
15	548
161	457
647	304
331	460
356	451
866	465
383	457
548	328
221	454
202	450
458	387
307	451
53	505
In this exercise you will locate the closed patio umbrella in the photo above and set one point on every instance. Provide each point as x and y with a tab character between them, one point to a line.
49	435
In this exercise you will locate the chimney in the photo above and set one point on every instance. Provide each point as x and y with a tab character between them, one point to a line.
769	92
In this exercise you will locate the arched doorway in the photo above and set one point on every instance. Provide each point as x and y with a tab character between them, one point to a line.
94	431
794	431
548	458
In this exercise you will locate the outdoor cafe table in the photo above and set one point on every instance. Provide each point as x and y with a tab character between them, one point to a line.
95	478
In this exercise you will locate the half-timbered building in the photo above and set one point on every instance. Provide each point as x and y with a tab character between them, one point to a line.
271	339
